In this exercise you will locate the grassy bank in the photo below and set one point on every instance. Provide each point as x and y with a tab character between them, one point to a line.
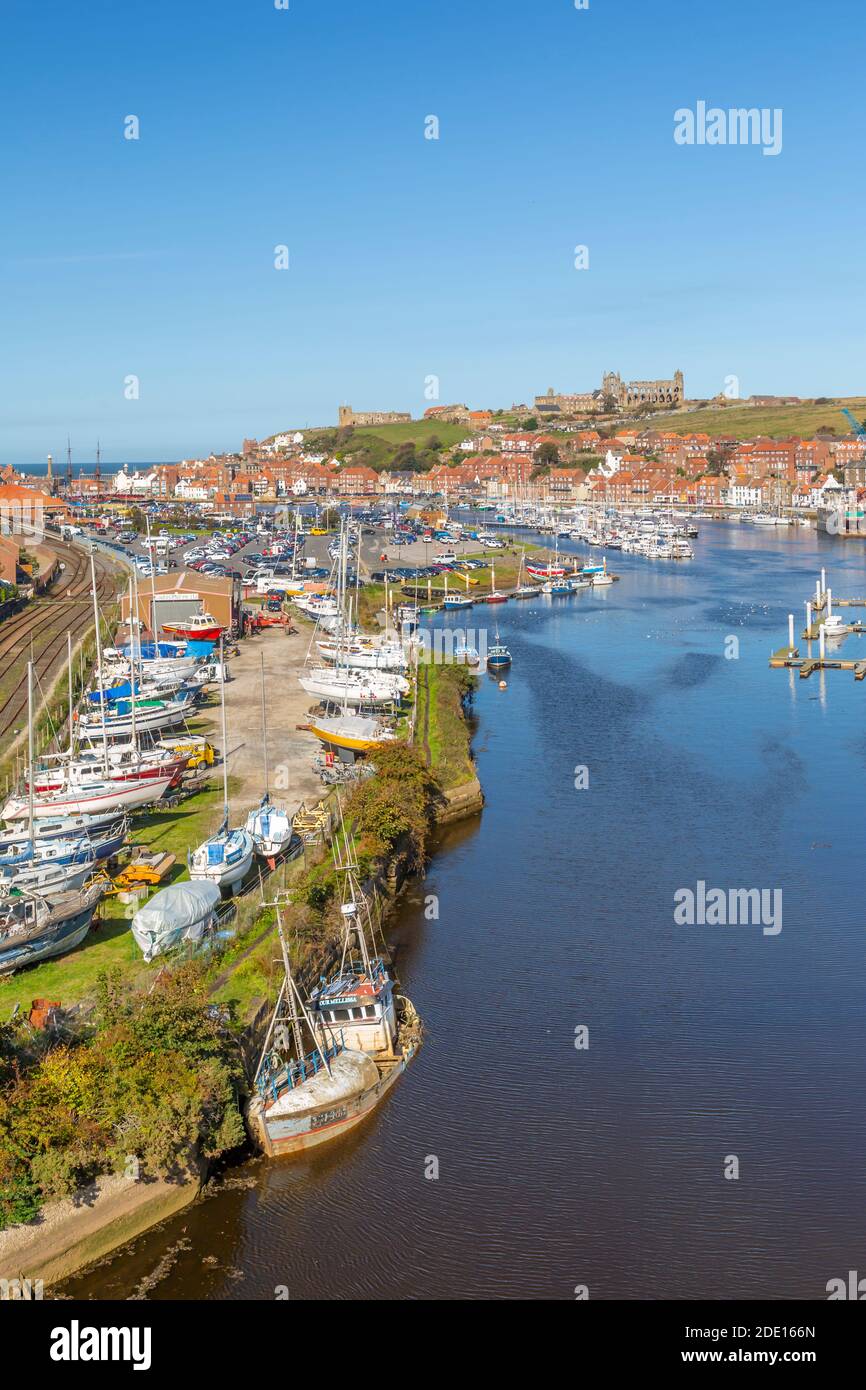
745	421
442	733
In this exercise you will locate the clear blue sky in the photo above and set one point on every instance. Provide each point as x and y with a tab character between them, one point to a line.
412	257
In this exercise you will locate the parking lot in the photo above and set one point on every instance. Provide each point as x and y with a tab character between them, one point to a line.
248	552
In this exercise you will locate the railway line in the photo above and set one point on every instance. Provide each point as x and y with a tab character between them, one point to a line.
41	627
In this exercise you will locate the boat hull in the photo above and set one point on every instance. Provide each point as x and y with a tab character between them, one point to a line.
201	634
125	796
288	1136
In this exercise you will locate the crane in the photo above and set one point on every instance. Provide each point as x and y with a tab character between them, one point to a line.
857	425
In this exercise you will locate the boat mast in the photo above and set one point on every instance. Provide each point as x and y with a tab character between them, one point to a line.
71	720
99	664
225	739
132	668
264	727
293	994
152	589
32	771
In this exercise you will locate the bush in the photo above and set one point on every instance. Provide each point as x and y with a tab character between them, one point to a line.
159	1080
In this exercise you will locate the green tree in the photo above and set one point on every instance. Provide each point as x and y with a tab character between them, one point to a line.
547	453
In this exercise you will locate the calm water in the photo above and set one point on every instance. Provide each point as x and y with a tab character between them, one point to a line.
604	1167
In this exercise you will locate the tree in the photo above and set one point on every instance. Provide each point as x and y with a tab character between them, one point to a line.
547	453
609	403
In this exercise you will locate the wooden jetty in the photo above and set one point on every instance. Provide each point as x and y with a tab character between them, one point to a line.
806	665
815	630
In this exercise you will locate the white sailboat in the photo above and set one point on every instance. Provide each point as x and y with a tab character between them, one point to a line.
269	826
226	857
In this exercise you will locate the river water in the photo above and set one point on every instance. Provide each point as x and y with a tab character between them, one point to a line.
710	1047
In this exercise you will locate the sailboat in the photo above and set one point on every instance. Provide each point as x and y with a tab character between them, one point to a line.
495	596
523	590
226	857
269	826
26	871
45	907
363	1038
342	683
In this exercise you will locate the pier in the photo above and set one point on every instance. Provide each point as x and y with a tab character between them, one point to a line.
819	612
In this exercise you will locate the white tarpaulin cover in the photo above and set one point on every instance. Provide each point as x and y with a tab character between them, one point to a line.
178	913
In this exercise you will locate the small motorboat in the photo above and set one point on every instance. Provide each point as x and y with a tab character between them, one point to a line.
201	627
465	655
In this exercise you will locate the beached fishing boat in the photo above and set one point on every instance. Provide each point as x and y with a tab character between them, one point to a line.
363	1037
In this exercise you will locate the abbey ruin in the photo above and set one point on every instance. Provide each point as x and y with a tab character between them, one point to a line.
614	393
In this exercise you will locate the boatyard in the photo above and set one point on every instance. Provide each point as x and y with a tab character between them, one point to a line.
583	644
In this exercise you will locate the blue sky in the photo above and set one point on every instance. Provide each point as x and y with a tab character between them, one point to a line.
411	257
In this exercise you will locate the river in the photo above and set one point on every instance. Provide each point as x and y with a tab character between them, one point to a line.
562	1166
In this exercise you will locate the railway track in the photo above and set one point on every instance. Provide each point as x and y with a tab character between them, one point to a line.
42	627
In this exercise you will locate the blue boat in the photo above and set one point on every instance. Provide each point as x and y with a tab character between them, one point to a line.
498	656
32	929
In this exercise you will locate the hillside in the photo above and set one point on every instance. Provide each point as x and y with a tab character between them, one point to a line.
388	446
778	421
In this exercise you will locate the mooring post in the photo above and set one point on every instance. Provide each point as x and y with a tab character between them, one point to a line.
821	642
790	632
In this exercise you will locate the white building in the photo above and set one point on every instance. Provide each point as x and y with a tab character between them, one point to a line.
142	484
744	495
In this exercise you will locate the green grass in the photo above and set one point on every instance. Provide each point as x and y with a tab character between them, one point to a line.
744	422
72	978
441	730
414	431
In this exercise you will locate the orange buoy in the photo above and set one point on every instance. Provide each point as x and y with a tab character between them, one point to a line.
503	685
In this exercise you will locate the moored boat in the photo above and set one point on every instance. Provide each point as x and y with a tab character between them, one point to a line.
363	1038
